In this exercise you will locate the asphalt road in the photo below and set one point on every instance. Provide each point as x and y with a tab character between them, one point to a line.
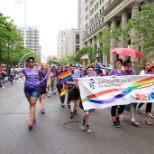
55	133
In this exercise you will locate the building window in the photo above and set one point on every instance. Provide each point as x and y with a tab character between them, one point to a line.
77	48
77	38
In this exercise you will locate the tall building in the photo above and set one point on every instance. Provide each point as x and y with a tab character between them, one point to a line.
81	18
60	43
111	13
32	37
69	42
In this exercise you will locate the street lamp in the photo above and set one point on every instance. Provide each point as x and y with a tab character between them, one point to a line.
97	58
75	57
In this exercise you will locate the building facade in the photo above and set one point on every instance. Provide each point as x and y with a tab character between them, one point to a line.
111	13
32	39
69	43
60	44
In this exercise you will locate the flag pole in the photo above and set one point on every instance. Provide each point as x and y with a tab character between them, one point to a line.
24	23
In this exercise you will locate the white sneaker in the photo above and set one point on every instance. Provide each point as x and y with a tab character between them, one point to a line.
83	126
151	116
122	117
2	88
89	130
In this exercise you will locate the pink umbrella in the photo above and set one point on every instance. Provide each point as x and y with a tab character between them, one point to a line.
127	52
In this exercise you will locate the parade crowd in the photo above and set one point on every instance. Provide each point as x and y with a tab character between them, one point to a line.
41	82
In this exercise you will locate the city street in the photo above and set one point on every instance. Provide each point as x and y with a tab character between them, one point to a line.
55	133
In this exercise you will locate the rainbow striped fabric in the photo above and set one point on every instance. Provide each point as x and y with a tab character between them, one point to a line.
65	76
84	57
64	90
55	60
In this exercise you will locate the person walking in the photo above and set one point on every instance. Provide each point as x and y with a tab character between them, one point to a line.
119	109
43	86
87	117
61	84
73	93
33	76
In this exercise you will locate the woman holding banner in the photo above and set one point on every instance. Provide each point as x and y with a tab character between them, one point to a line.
87	113
130	71
117	72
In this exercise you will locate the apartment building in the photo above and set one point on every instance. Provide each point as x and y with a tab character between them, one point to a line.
111	13
70	42
60	44
32	39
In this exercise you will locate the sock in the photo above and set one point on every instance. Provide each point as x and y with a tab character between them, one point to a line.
87	126
113	119
83	121
117	115
132	119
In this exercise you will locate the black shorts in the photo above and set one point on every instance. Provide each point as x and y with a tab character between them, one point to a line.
73	94
43	90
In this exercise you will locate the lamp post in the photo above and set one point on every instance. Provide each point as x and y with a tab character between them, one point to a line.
24	23
75	58
97	58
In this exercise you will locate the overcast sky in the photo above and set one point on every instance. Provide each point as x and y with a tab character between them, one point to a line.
49	16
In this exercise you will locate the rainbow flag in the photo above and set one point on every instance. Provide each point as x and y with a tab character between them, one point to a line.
55	60
65	76
84	57
64	90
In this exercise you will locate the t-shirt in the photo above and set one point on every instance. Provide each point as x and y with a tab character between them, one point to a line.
44	79
32	78
130	72
115	72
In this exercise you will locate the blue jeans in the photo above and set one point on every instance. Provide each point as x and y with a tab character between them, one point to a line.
31	93
12	78
1	83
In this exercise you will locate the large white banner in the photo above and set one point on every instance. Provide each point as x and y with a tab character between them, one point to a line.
103	92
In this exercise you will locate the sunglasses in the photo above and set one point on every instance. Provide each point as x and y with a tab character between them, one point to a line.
30	61
73	66
63	67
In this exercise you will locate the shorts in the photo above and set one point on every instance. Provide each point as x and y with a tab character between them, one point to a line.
90	111
31	93
43	90
73	94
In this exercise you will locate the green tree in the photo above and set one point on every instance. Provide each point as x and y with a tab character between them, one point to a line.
103	38
85	50
143	23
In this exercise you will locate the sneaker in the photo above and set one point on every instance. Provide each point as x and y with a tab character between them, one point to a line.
151	116
116	125
83	127
89	130
148	121
71	115
135	123
30	123
48	95
2	88
75	112
118	120
43	111
63	105
122	117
